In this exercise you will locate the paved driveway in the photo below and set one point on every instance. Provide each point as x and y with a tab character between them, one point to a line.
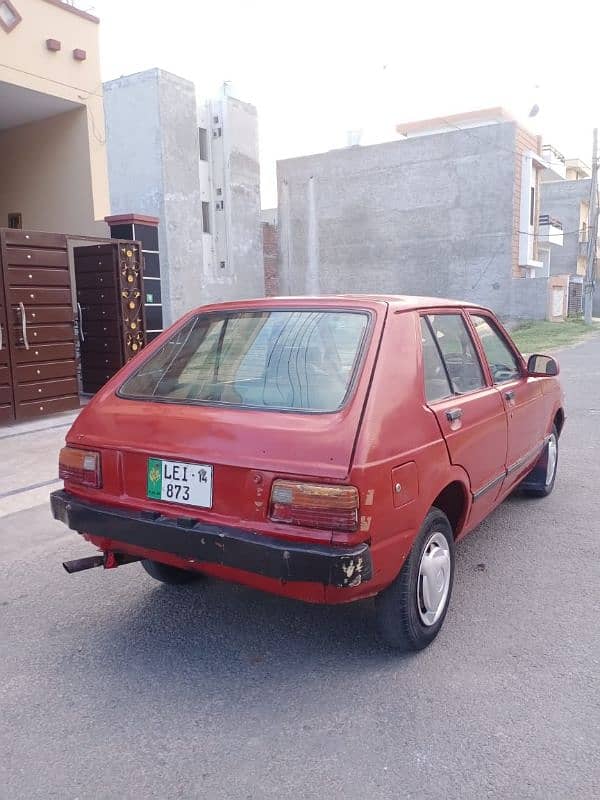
113	686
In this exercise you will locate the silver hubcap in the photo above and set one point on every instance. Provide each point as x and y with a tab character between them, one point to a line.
434	579
552	448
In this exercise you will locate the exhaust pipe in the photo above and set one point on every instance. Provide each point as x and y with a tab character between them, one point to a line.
109	560
79	564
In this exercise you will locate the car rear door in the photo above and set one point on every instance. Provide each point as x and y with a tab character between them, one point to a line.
521	394
469	410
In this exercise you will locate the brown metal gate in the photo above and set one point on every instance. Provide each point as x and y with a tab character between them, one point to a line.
111	315
7	411
38	363
39	317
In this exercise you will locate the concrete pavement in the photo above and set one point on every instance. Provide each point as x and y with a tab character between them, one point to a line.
114	686
28	461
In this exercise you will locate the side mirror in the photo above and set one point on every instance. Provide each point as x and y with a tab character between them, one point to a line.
542	366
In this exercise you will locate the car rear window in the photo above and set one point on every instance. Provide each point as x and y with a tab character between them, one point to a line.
292	360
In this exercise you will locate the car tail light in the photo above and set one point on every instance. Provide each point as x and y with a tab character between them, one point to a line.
80	466
315	505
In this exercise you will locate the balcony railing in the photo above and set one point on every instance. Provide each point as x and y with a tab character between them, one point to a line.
551	230
552	154
555	161
546	219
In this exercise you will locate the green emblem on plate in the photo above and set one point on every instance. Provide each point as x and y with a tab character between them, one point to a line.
154	478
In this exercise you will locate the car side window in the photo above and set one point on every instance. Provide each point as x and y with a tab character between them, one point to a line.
458	351
503	363
435	378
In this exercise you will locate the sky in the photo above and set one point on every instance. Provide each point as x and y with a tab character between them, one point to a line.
317	70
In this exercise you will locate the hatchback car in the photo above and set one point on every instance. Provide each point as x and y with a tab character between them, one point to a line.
326	449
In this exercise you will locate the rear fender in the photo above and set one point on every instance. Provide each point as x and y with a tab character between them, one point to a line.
390	553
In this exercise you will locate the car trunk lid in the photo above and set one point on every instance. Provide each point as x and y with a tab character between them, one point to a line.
304	444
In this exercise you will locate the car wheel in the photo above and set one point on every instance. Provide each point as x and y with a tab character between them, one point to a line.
168	574
540	481
412	609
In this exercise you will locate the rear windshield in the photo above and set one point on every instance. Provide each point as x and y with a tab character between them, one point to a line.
294	360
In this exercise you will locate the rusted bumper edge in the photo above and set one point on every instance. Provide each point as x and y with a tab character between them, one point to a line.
230	547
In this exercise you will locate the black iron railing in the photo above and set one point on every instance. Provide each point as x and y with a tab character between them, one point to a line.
546	219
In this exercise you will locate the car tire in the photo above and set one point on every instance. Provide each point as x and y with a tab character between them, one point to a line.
168	574
411	610
540	481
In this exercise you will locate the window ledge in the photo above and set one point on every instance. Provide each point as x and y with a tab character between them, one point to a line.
532	265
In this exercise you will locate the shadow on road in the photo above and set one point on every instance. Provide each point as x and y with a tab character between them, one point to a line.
221	629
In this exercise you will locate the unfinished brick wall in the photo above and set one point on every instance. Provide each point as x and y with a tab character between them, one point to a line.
269	232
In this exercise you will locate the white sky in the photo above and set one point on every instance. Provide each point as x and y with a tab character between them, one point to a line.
318	69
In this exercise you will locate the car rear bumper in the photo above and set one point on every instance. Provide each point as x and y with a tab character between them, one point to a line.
230	547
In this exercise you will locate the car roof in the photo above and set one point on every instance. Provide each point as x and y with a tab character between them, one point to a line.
412	302
397	302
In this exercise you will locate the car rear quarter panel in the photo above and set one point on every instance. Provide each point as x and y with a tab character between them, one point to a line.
398	429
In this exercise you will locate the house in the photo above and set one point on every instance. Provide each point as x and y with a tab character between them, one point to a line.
194	165
451	209
53	197
565	196
53	174
83	291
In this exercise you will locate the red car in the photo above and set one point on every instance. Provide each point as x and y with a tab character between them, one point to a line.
327	449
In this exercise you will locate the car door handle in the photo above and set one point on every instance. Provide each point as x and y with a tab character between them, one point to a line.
510	395
453	414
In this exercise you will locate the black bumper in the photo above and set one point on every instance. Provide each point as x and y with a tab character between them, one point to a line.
230	547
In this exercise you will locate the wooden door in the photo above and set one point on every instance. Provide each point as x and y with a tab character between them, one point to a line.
108	278
40	323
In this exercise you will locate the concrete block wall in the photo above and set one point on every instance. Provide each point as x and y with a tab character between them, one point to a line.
562	200
244	268
528	300
153	169
230	183
133	140
182	221
430	215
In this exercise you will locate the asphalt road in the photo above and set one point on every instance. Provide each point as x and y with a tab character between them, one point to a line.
113	686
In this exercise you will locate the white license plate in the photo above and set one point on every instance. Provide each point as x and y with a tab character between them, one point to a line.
180	482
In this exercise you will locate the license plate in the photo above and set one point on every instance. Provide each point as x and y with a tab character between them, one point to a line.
179	482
